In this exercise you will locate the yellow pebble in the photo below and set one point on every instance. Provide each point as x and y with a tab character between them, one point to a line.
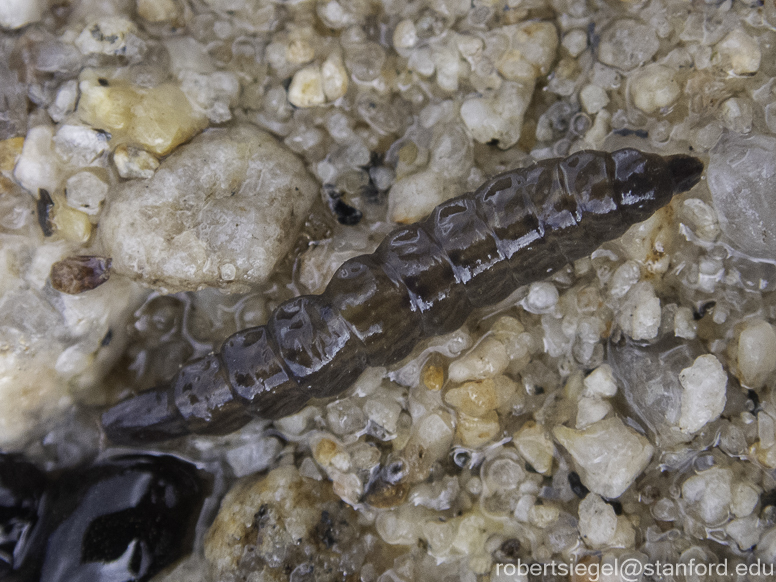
474	398
71	224
433	377
325	451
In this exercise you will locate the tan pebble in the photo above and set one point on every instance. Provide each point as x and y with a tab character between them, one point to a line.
739	53
306	89
433	377
10	150
132	162
655	87
163	119
158	10
405	35
325	451
473	431
487	359
474	398
299	52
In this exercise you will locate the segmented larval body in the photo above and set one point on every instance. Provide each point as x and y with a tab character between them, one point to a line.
423	280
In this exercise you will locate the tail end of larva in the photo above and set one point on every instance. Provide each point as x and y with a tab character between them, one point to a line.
685	170
148	417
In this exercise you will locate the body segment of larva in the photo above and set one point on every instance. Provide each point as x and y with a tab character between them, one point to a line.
423	280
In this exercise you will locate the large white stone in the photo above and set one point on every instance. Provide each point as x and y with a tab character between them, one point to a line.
231	198
608	454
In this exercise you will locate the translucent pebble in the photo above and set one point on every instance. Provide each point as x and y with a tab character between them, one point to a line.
17	13
64	102
575	42
593	98
253	457
756	352
158	10
86	192
488	359
625	277
737	114
597	521
306	89
640	314
451	151
405	35
365	61
745	498
345	417
413	197
384	412
544	515
132	162
531	51
591	410
396	528
498	117
665	509
702	218
738	53
609	455
334	77
474	398
745	531
626	44
654	87
542	298
114	36
685	325
475	431
80	145
502	474
740	176
600	382
704	394
708	495
535	446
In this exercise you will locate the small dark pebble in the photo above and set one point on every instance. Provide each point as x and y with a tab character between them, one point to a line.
44	206
75	275
576	485
704	309
121	520
345	213
768	498
508	552
616	505
754	397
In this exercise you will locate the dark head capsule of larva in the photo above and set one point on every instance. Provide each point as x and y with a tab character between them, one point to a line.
646	182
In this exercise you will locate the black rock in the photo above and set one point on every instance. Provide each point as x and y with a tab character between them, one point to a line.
21	488
121	520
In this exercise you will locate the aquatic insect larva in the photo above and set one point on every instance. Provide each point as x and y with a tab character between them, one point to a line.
423	280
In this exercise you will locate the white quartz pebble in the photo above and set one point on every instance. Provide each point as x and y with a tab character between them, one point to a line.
704	393
608	454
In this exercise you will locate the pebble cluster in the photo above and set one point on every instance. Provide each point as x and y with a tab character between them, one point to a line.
235	152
